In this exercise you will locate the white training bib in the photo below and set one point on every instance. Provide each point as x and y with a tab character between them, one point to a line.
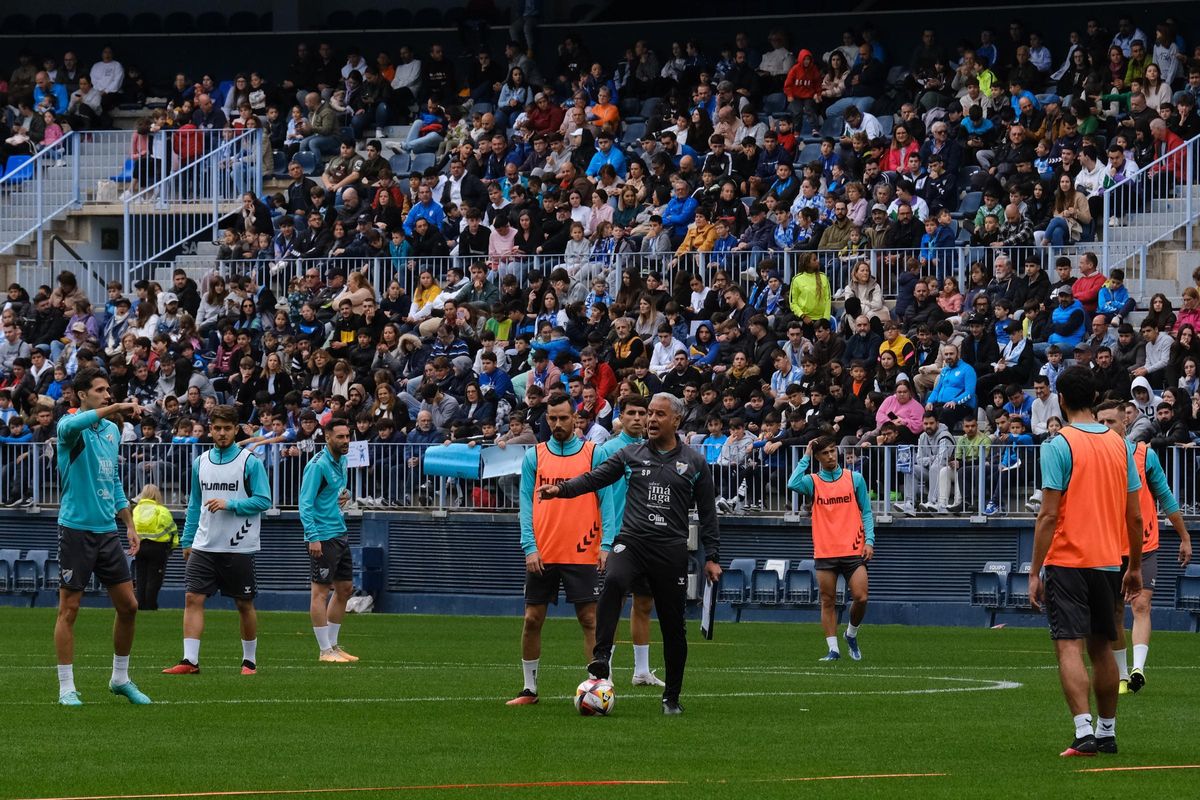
223	531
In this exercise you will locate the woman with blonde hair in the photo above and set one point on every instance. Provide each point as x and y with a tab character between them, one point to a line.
159	535
358	290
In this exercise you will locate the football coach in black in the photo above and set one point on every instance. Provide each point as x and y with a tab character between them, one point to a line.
666	479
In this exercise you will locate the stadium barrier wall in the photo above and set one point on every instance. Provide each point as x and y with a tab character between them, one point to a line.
471	563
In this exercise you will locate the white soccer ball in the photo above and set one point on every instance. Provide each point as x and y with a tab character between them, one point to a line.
595	698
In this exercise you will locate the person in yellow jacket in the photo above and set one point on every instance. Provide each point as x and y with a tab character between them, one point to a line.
700	238
809	294
159	535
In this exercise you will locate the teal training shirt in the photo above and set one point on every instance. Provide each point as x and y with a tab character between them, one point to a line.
256	479
320	489
615	495
88	453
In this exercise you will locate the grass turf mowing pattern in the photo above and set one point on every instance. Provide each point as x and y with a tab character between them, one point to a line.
303	725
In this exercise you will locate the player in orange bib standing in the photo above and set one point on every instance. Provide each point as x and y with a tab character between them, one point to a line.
563	541
843	531
1090	513
1155	494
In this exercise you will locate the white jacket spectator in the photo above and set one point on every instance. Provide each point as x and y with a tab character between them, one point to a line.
663	356
107	74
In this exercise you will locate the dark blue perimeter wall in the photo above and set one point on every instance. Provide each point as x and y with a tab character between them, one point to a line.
472	564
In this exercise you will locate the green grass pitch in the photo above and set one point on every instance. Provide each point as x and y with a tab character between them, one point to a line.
968	712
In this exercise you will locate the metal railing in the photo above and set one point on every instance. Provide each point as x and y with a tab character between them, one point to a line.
191	200
35	189
1151	206
902	480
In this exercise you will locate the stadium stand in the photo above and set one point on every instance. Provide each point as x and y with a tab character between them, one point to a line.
981	138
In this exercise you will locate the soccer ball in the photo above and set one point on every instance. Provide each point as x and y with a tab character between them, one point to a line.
595	698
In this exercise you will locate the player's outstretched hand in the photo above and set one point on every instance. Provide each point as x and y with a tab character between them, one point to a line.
1131	584
533	563
1035	591
548	492
314	549
868	552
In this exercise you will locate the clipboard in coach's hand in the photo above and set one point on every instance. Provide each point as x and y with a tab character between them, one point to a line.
708	610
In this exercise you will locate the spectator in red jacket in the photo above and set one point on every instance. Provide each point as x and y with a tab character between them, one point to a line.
1087	286
802	86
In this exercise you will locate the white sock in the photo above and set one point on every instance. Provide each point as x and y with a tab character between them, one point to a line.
191	651
250	650
1122	663
1106	727
66	678
641	659
322	634
851	630
334	627
530	669
1140	651
120	673
833	644
1083	725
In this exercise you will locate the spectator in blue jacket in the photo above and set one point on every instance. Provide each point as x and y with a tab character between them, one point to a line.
1114	301
953	396
1068	322
606	154
679	213
425	208
48	95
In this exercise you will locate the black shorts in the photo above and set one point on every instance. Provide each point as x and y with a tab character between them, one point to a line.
230	573
581	582
1080	602
82	554
842	565
1149	570
335	564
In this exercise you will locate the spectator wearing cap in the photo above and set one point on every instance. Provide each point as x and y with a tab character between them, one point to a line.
1068	321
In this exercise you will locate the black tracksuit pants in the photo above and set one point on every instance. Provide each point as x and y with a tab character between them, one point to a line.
665	570
149	568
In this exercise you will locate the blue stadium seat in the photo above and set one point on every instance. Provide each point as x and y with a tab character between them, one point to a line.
427	18
633	132
39	559
482	108
800	585
885	124
422	162
26	576
650	107
310	163
774	103
5	577
50	574
969	205
81	23
989	586
347	134
840	592
113	23
126	175
733	587
18	169
1018	587
810	152
146	22
765	587
179	22
49	25
279	163
1187	588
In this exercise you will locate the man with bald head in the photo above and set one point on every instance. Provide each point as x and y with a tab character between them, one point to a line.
1015	230
48	95
319	128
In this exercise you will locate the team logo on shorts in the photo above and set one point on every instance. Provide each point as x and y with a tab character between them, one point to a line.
246	590
324	571
67	574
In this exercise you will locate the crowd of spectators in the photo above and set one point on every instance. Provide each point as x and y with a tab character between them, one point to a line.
693	257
